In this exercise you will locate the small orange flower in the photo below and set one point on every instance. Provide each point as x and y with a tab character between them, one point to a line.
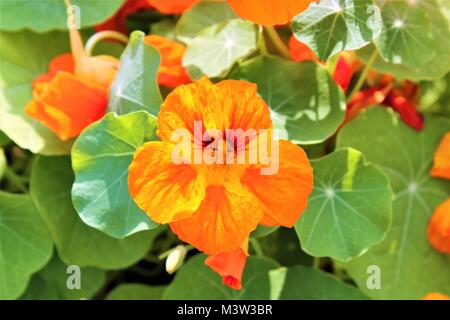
269	12
74	93
171	72
436	296
215	206
439	228
230	265
117	21
441	165
300	51
172	6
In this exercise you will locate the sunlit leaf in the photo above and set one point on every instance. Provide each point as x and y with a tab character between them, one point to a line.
136	291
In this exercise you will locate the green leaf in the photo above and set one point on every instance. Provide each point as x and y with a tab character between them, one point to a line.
136	291
46	15
332	26
135	87
51	283
262	231
435	68
50	187
341	220
25	244
306	105
300	283
410	268
215	50
100	159
406	36
4	140
23	57
202	15
196	281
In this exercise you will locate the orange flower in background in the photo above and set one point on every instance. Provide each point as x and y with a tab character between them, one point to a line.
441	164
171	72
117	21
214	207
74	93
172	6
436	296
439	228
300	51
269	12
230	265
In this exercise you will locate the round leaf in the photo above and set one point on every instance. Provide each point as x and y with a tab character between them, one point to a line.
46	15
300	283
25	244
306	104
196	281
51	283
77	243
406	37
332	26
215	50
24	56
100	158
201	16
341	220
135	87
410	267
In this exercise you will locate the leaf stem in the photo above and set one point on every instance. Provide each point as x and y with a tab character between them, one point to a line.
15	180
102	35
257	247
363	76
278	42
316	263
261	41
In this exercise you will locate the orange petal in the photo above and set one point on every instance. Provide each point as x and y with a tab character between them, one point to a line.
98	70
269	12
300	51
441	165
165	191
171	72
224	220
117	21
439	228
436	296
198	101
67	105
229	265
172	6
292	185
63	62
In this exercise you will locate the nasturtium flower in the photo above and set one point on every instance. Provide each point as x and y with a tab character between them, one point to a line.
171	72
269	12
74	93
172	6
215	207
439	228
230	265
441	164
436	296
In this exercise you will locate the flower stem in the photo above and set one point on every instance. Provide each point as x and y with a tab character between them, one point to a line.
316	263
261	41
257	247
166	253
363	76
278	42
102	35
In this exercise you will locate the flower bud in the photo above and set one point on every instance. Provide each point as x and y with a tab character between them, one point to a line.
175	259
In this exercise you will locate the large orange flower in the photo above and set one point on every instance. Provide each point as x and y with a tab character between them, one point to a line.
215	206
441	165
269	12
74	92
172	6
171	72
439	228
